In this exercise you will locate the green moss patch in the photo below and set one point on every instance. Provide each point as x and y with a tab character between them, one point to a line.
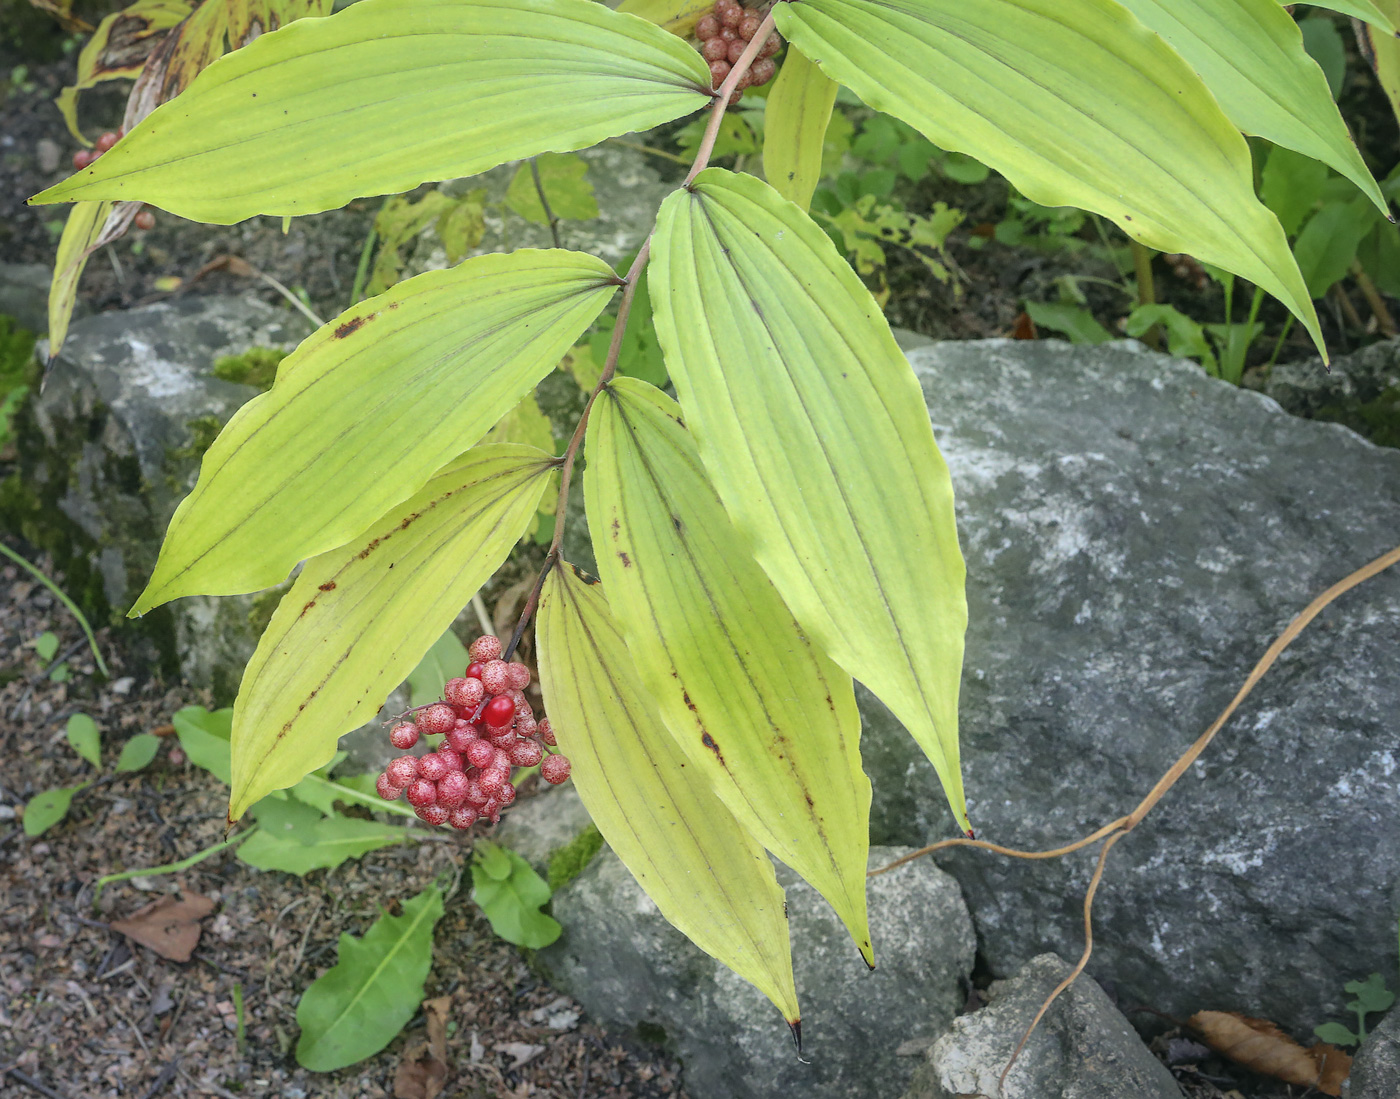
569	861
256	367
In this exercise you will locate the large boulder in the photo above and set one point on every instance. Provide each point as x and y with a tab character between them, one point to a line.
1375	1074
1136	534
113	443
1360	390
1082	1049
631	968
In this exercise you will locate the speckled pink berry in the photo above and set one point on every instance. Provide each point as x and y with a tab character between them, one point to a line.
387	790
404	735
421	793
554	769
452	790
463	818
437	718
432	814
484	648
402	771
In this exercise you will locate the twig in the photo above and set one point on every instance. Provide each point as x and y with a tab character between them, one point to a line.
68	603
170	868
544	201
140	1038
306	934
648	149
1147	289
295	301
30	1082
166	1075
1384	321
583	1080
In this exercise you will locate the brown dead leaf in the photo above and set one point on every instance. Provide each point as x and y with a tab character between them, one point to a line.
1023	328
422	1074
168	926
1261	1046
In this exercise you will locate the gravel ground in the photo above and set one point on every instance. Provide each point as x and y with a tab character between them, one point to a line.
84	1014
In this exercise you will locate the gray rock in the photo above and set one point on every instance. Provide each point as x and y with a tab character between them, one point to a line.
628	190
1136	534
24	294
112	445
1375	1074
1082	1049
1362	390
629	967
534	828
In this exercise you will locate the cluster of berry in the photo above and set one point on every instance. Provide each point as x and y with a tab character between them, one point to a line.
83	157
724	34
488	727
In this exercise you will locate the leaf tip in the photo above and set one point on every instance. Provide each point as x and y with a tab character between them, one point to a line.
795	1025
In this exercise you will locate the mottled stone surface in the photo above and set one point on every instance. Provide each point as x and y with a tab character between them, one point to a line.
1082	1049
24	294
1375	1074
536	827
1360	390
1136	534
629	967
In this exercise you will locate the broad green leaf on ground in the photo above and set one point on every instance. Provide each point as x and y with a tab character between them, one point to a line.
564	178
765	716
1327	244
359	618
388	94
1291	186
446	658
677	16
816	435
322	792
296	838
85	739
1250	54
46	645
46	809
708	876
508	890
367	409
80	233
356	1007
204	735
1069	319
1382	14
794	127
138	752
1076	104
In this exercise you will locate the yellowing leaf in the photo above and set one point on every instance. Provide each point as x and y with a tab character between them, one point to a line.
707	875
367	409
1369	11
1076	103
80	234
677	16
440	89
359	618
764	716
816	436
794	128
564	178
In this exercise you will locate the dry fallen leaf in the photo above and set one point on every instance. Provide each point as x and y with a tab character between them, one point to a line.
168	926
1259	1045
422	1073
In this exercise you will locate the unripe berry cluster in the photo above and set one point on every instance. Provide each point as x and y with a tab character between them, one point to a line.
488	727
724	33
83	157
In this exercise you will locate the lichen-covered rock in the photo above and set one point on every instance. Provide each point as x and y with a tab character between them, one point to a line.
24	294
1082	1049
534	828
1375	1074
1360	390
629	967
113	444
1136	534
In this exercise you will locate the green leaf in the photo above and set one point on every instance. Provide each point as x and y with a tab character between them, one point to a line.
447	658
388	94
1076	104
296	838
1385	48
1250	54
794	133
1325	46
512	901
1292	185
205	738
359	618
1365	10
816	435
708	876
85	739
83	228
767	719
1337	1034
367	409
45	810
677	16
138	752
564	177
323	793
1072	320
1185	337
46	645
356	1007
1327	244
1371	995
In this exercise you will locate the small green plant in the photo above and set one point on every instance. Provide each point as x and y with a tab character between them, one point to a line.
17	370
510	893
1371	997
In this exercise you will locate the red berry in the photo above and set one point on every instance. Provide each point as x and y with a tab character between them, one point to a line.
771	45
451	757
402	771
526	754
484	648
437	718
716	49
745	79
492	780
106	141
495	677
475	794
465	694
707	28
731	16
736	50
422	793
763	71
492	810
475	669
525	724
519	675
748	25
499	712
404	735
722	6
461	737
729	34
504	740
554	769
463	818
432	814
718	71
145	220
452	790
545	732
433	767
387	790
507	794
480	753
82	158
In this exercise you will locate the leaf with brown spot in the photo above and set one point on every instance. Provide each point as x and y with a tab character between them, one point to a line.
1261	1046
169	926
